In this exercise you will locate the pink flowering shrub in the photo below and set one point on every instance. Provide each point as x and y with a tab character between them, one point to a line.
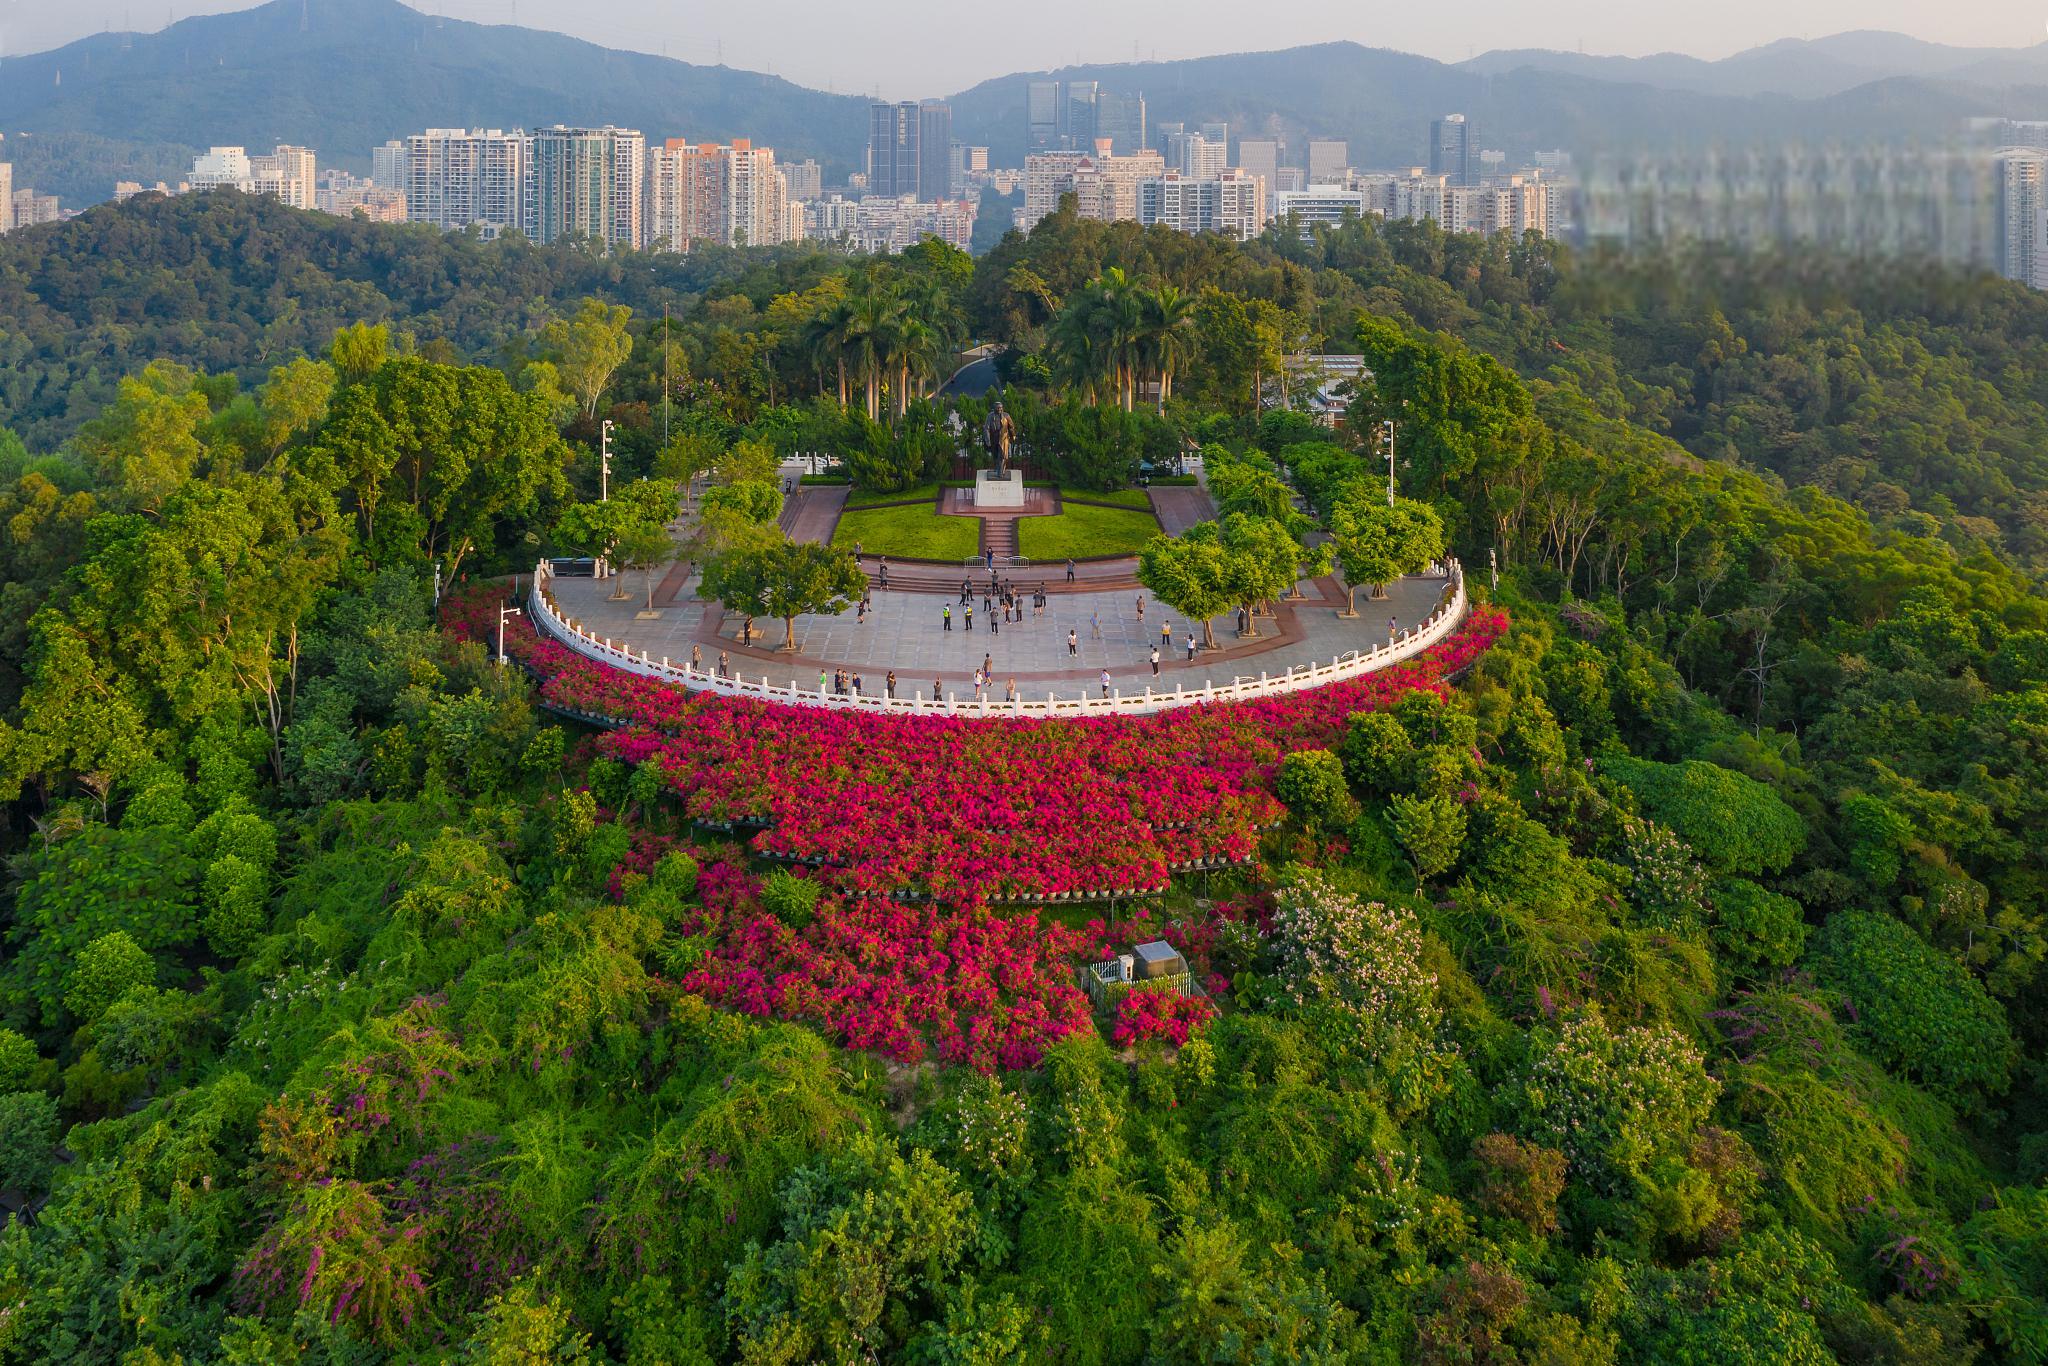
1165	1015
973	811
909	982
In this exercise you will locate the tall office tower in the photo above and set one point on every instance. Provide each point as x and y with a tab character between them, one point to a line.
457	178
1077	115
1328	160
1218	133
1261	157
1164	133
806	178
6	196
1042	116
1121	119
221	167
2023	216
893	131
387	166
934	151
287	174
1450	149
587	182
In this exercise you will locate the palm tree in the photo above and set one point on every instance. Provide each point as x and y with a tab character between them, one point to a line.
1169	334
874	340
826	338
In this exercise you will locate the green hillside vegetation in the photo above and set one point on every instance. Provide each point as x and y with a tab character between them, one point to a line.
1667	988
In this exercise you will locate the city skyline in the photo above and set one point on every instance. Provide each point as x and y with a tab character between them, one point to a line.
844	51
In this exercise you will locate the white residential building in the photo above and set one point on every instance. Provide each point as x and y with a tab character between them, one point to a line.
732	194
221	168
878	224
388	165
1320	204
1328	161
1233	203
287	174
457	178
6	196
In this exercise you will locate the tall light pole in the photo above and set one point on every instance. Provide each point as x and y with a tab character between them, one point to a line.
504	612
1387	441
604	468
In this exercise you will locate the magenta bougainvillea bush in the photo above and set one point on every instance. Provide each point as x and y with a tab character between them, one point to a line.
1143	1016
970	812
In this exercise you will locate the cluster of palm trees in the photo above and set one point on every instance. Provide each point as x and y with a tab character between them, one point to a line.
891	339
1113	334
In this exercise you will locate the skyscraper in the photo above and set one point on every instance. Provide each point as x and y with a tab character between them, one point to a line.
934	151
1450	149
806	178
455	178
1261	157
2023	216
730	194
587	182
1328	160
1042	116
1078	111
1121	119
893	131
387	165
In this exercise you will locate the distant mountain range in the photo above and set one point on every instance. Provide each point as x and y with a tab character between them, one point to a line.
343	75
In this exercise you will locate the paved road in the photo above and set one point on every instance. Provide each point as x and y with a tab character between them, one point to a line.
972	381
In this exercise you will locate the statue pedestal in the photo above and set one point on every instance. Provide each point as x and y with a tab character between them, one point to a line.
992	490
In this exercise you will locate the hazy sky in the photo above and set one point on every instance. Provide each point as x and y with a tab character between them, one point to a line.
934	47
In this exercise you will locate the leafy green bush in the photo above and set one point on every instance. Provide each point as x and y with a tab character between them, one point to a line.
1919	1011
1736	824
1757	927
28	1141
1311	782
17	1061
1431	829
104	973
789	898
1377	754
233	892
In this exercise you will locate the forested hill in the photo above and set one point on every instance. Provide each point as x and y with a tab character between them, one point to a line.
381	70
1920	395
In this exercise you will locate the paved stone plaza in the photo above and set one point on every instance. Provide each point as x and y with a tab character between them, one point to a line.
905	631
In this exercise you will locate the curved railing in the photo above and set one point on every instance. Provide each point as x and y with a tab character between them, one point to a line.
1450	613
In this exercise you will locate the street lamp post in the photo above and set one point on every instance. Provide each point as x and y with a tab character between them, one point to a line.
504	612
1387	441
604	469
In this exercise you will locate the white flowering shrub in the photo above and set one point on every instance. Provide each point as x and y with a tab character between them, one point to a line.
1354	969
1613	1101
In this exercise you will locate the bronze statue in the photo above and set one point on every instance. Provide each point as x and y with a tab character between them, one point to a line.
999	433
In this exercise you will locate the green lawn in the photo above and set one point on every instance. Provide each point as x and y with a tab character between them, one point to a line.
909	533
1082	531
1124	498
861	498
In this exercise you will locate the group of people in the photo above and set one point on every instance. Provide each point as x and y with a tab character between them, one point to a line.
846	683
697	662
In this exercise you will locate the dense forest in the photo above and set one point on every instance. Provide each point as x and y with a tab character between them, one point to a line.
1653	974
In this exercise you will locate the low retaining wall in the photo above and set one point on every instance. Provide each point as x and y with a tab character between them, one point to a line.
547	616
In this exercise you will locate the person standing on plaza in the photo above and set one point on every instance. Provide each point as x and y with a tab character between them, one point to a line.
883	569
1155	661
890	684
947	613
970	616
860	613
856	685
966	590
1141	607
1010	693
1105	683
1191	647
696	659
995	624
1392	628
724	664
821	682
938	692
988	665
1070	569
1073	645
1095	626
1166	636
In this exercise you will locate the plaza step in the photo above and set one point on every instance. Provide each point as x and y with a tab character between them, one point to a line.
1000	535
925	578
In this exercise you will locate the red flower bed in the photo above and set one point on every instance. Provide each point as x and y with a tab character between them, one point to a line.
909	982
1165	1015
972	811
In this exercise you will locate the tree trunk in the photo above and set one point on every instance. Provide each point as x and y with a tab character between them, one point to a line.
789	634
1350	599
1379	592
